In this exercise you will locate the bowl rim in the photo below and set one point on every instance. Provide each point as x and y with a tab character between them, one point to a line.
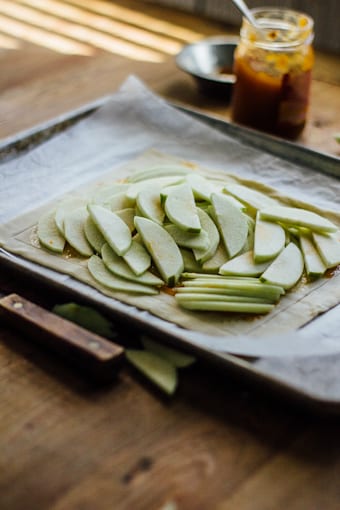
216	40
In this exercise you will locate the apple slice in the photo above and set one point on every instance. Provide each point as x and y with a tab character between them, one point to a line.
159	370
329	249
120	201
106	192
287	268
211	296
269	240
113	228
250	197
207	224
162	248
154	183
314	265
225	305
166	170
244	265
74	231
232	223
93	235
176	358
119	267
189	261
298	218
66	207
219	258
48	233
188	239
128	216
137	258
211	276
87	317
233	287
181	209
102	275
149	203
249	244
200	186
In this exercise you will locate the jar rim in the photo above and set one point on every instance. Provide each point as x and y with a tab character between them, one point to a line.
283	29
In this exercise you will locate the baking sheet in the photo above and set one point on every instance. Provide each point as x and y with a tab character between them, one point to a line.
294	310
133	121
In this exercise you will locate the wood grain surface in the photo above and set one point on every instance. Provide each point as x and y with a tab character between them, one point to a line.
219	443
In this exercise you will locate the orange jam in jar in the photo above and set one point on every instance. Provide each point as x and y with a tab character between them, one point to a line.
273	65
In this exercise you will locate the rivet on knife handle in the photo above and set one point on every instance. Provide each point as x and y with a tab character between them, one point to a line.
100	357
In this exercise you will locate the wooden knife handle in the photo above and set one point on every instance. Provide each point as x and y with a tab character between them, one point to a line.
98	356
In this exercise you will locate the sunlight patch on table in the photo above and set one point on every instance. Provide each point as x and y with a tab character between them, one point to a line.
54	25
8	43
42	38
105	24
137	18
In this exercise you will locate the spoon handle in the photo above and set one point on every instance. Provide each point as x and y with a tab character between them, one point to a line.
246	12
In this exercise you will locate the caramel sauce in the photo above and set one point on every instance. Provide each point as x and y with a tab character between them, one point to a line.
276	104
332	272
169	290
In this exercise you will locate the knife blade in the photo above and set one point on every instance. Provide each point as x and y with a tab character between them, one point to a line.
99	357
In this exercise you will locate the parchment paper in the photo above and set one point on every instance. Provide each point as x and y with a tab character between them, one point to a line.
134	129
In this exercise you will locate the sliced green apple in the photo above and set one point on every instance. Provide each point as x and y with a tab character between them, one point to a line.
183	297
74	231
106	192
233	287
298	218
208	226
329	248
87	317
154	183
287	268
198	275
181	209
165	170
189	261
137	258
128	216
93	235
66	207
102	275
201	187
157	369
149	204
244	265
269	240
250	197
314	264
48	233
175	357
113	228
219	258
232	223
119	267
162	248
188	239
249	244
120	201
225	306
236	202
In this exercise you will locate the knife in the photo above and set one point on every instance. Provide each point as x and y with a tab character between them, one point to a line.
100	358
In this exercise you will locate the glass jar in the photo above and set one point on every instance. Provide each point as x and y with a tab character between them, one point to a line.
273	66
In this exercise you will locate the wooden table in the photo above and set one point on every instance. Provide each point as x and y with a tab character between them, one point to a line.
68	445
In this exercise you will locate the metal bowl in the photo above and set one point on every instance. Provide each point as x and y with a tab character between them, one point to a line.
210	63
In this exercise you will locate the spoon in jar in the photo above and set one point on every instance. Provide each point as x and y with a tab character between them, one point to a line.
242	7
